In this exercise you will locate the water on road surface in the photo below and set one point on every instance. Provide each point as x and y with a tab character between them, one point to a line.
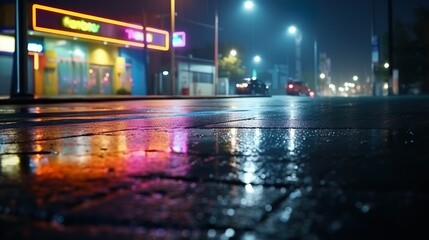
247	168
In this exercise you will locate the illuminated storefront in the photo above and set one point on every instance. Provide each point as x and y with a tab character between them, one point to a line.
79	54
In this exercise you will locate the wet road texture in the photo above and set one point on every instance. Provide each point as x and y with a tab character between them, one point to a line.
248	168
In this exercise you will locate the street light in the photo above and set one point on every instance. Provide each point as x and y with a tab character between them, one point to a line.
216	51
355	78
173	63
256	59
386	65
233	53
294	31
248	4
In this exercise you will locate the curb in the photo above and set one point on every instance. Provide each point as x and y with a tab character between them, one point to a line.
48	100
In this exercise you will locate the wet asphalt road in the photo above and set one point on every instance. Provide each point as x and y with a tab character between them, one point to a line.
241	168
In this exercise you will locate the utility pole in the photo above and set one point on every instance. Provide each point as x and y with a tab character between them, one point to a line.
376	87
298	41
19	86
316	75
390	54
216	50
173	62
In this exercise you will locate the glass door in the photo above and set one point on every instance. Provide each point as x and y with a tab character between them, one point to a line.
100	79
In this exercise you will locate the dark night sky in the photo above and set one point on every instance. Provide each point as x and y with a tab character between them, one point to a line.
342	27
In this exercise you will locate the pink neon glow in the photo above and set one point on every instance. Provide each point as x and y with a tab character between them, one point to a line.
134	35
179	39
138	35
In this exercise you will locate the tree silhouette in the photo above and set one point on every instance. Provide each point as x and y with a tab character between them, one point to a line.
231	68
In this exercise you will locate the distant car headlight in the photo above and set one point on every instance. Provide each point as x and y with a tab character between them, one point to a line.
290	85
242	85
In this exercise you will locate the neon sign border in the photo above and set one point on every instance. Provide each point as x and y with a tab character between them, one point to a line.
167	37
35	7
183	43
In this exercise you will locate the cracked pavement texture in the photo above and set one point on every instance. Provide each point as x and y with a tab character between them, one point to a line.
248	168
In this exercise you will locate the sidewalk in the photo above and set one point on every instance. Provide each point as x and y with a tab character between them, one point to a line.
6	100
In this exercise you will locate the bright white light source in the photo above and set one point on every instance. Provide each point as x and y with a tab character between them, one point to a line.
257	59
248	5
233	52
386	65
292	30
386	86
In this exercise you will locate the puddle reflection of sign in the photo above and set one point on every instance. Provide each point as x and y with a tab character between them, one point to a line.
179	39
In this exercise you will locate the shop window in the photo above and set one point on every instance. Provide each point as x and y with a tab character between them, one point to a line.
6	62
71	77
126	81
100	79
202	77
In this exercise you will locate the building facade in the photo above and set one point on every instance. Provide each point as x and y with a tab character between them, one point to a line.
72	53
195	76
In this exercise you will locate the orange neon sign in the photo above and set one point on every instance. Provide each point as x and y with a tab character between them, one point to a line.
64	22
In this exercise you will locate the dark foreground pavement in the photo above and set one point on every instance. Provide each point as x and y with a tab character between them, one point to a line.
248	168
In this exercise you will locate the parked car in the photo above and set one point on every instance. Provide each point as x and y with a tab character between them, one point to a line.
298	88
251	86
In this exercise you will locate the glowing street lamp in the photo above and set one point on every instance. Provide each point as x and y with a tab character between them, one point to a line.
233	53
248	5
322	76
355	78
294	31
257	59
386	65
